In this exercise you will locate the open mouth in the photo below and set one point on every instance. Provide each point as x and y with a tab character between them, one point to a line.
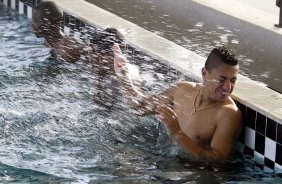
224	93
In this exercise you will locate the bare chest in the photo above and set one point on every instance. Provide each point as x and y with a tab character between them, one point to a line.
199	126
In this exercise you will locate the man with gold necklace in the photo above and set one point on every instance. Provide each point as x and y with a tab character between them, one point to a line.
201	117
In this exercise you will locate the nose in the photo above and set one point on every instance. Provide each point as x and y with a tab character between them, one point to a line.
227	86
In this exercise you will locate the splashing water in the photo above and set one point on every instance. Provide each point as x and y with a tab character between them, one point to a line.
53	131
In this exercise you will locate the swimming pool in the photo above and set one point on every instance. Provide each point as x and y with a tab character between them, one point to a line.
52	131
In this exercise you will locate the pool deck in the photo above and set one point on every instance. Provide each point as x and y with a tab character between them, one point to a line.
263	5
263	13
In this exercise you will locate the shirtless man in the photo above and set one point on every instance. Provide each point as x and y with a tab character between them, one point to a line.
46	20
201	117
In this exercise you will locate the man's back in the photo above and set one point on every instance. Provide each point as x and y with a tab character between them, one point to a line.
67	49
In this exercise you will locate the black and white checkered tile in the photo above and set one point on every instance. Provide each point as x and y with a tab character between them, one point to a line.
78	29
82	31
261	136
23	6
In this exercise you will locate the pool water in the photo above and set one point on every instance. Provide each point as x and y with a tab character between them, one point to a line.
52	131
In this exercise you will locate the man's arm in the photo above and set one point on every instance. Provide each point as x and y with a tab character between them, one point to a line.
228	128
169	118
138	101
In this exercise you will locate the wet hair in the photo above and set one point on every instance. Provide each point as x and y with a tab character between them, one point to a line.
221	55
50	11
104	39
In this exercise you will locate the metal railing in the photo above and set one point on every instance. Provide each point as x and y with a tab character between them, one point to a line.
279	4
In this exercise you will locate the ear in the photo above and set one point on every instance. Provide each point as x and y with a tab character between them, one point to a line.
204	72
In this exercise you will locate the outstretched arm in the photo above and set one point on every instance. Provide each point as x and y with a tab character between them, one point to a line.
121	70
137	100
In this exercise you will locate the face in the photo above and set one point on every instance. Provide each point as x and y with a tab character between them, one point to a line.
220	81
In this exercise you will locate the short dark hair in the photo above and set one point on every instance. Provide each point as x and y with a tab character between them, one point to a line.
222	54
50	11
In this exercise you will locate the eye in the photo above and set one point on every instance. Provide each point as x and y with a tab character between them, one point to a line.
233	81
221	80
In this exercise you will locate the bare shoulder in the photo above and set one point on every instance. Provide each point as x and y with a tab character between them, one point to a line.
185	88
186	85
230	112
177	90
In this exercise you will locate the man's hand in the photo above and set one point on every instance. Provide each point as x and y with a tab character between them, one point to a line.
169	118
120	64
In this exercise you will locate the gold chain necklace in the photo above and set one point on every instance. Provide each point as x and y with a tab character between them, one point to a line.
200	109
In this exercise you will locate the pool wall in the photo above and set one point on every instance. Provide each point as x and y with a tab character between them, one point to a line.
261	136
